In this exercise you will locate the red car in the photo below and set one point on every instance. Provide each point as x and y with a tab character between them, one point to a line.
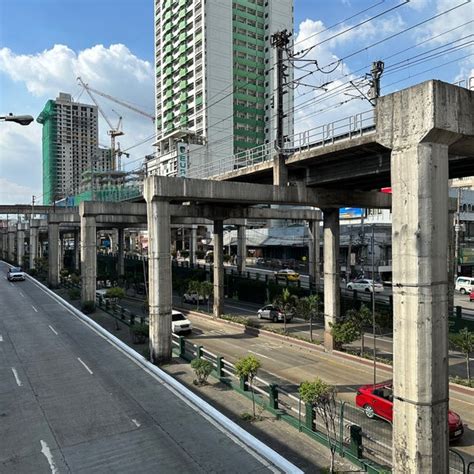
377	400
471	296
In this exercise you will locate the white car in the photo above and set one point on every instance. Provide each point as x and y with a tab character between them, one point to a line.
464	285
16	274
364	284
179	323
193	298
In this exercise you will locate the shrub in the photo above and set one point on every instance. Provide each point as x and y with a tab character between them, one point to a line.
88	307
140	333
64	273
202	368
115	292
75	278
247	367
33	272
74	294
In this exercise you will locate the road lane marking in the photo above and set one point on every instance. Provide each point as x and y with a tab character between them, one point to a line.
12	284
54	330
17	379
34	308
85	366
135	422
47	454
1	338
261	355
21	294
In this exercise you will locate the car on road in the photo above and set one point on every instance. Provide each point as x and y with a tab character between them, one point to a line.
15	274
179	323
464	285
471	296
366	285
273	313
287	274
193	298
377	400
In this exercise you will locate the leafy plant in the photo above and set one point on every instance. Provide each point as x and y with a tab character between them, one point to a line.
308	308
140	333
202	368
115	292
287	303
344	332
464	342
247	367
322	397
88	307
74	294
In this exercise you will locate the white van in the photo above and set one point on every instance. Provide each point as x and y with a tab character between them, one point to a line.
464	285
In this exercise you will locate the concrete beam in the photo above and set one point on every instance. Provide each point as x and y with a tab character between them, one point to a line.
183	190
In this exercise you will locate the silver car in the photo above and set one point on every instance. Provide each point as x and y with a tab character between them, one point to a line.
273	313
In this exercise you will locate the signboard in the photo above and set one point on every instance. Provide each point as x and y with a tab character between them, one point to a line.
182	159
351	213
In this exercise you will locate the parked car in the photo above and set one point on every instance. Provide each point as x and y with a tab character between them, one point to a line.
377	400
464	285
471	296
364	284
273	313
193	298
16	274
102	295
179	323
287	274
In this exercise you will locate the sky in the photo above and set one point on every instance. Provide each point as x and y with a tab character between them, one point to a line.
46	44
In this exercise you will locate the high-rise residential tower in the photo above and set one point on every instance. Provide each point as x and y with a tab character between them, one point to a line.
70	141
215	79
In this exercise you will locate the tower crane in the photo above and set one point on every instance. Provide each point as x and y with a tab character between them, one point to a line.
113	131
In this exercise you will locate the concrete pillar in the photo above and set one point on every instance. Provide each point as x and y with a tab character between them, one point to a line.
88	258
218	268
193	244
241	248
20	244
53	255
34	242
332	304
314	252
11	245
62	253
2	244
159	277
120	253
77	251
280	171
420	298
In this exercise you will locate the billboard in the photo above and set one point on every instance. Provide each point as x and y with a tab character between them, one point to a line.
182	159
351	213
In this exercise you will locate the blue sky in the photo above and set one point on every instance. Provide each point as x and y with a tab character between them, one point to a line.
45	44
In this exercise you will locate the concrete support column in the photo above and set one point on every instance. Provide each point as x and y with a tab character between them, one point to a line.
314	252
332	291
193	244
420	299
62	247
11	245
2	244
53	255
120	253
34	242
241	248
280	171
218	268
77	251
451	263
159	276
20	245
88	258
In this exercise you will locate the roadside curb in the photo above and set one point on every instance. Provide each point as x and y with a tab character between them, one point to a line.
317	348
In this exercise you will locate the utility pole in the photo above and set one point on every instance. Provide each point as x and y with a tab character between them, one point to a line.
374	335
349	252
33	200
375	75
457	230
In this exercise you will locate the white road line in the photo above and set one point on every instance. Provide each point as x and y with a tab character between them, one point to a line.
261	355
47	454
54	330
12	284
135	422
17	379
1	338
34	308
85	366
21	294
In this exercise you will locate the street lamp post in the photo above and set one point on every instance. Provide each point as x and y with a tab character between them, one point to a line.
20	119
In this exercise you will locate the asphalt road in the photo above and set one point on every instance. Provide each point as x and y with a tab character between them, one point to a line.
72	402
288	366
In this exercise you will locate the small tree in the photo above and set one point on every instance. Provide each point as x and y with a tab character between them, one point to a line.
464	342
202	368
307	308
194	286
360	319
116	292
247	368
207	290
344	332
322	397
287	303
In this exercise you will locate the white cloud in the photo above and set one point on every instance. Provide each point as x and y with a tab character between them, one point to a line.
114	70
14	193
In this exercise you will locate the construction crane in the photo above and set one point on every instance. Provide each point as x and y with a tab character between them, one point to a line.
113	131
